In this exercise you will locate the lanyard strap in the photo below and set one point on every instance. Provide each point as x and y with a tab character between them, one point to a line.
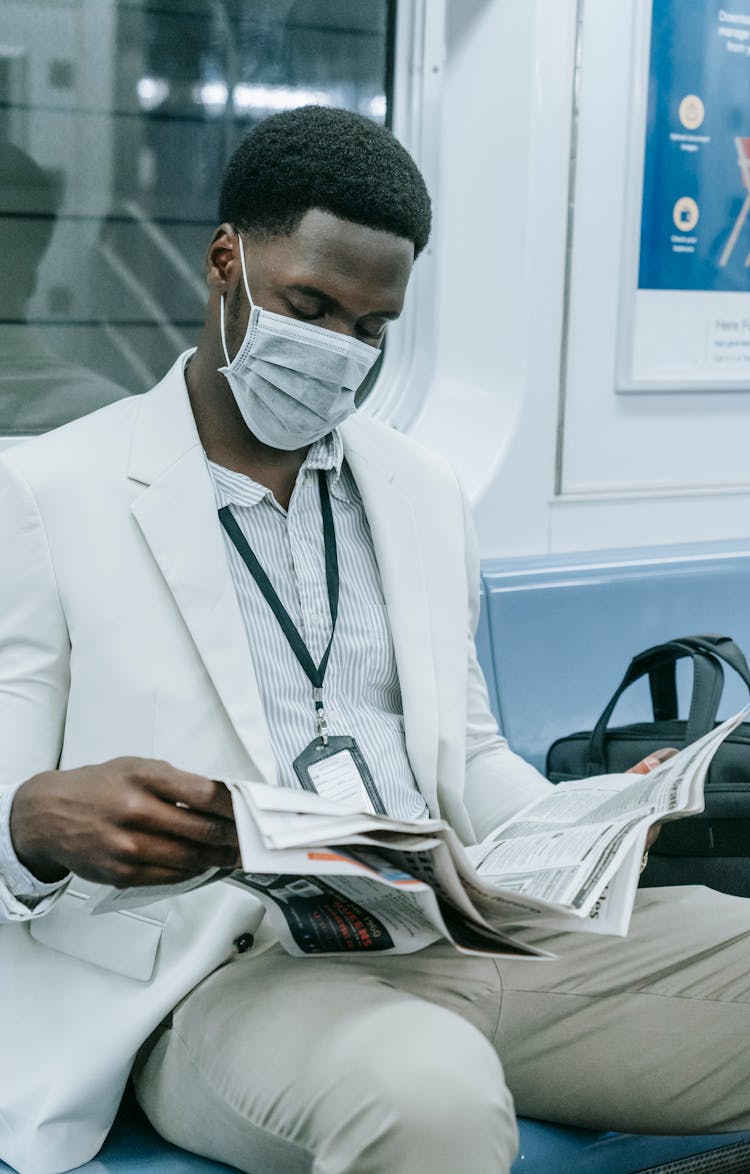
315	673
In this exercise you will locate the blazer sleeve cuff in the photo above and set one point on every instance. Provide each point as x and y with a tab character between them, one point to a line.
21	893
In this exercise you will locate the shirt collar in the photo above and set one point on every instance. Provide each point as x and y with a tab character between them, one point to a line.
234	488
327	453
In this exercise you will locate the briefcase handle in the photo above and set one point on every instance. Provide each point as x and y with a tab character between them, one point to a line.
659	663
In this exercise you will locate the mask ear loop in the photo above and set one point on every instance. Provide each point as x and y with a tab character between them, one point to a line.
223	332
223	298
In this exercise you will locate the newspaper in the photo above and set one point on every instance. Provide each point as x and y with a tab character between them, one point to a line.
336	881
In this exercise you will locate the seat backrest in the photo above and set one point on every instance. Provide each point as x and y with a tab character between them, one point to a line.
558	632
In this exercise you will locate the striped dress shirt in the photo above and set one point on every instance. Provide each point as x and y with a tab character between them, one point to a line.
361	692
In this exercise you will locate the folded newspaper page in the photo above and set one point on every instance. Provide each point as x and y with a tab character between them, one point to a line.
336	881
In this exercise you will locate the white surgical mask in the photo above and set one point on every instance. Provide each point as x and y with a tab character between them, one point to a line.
293	382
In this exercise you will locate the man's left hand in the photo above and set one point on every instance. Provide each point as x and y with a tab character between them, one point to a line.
644	767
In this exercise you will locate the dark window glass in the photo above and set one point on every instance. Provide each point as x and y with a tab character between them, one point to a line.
116	119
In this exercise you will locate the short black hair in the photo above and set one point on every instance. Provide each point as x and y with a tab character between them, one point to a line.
327	158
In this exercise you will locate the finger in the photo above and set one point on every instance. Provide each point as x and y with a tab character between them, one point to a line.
652	760
146	812
189	790
658	756
153	874
640	768
211	830
164	876
130	852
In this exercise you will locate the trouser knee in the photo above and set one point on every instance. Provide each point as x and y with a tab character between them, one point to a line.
442	1105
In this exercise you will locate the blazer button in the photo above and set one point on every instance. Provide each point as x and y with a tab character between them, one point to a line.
244	943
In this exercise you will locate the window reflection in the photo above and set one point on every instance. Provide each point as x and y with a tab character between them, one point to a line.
116	118
39	387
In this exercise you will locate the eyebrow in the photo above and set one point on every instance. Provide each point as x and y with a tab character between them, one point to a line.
313	292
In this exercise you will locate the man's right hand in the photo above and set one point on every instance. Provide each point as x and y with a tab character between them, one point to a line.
131	821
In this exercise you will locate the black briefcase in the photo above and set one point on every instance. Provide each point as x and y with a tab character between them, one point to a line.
708	849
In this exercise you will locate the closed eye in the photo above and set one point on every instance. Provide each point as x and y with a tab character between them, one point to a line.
375	335
304	315
374	329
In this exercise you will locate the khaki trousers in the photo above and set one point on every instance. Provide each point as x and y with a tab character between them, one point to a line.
392	1065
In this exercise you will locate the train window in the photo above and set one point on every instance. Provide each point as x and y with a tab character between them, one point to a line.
116	118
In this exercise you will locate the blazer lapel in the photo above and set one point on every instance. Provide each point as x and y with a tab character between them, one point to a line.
396	539
178	518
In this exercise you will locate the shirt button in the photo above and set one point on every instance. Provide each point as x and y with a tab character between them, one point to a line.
244	942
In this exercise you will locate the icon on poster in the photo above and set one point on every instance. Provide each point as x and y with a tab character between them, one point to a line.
685	214
692	112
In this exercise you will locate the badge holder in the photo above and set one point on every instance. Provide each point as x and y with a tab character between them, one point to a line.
334	767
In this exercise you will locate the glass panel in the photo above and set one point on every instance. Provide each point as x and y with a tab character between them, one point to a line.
116	119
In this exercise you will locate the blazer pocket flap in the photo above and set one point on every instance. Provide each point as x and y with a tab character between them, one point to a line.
123	942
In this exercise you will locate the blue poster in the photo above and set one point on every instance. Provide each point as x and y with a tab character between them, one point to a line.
695	220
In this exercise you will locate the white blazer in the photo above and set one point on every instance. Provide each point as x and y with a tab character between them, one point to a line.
120	634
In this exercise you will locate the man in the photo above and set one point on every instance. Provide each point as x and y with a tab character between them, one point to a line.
141	660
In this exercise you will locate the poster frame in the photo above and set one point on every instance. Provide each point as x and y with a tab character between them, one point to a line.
645	381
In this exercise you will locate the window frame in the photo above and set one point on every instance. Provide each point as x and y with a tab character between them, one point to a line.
404	377
416	67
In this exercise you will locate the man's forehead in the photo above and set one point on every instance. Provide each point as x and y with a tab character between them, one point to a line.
338	257
322	240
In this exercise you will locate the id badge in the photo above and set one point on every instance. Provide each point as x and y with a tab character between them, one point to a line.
337	771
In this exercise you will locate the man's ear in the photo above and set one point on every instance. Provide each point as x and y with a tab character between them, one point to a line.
221	257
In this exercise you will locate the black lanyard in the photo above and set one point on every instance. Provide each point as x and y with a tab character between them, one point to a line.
315	673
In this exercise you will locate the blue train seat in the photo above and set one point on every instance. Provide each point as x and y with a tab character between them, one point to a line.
556	1149
555	637
134	1148
557	633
